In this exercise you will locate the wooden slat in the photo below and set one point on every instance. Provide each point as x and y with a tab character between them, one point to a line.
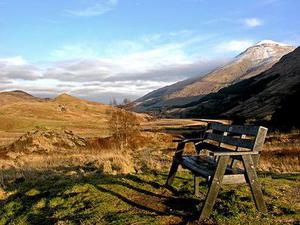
236	129
234	179
212	162
244	143
260	139
191	164
216	150
233	153
207	164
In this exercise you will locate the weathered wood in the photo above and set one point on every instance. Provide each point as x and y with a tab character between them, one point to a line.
244	143
258	143
234	159
215	167
216	150
209	147
234	179
214	187
198	169
254	184
234	129
233	153
175	163
208	163
260	139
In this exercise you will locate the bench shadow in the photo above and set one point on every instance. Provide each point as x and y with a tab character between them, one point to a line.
172	202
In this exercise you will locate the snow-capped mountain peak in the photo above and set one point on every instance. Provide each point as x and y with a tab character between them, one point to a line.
270	42
264	50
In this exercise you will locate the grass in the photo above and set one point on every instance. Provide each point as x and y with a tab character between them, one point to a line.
86	196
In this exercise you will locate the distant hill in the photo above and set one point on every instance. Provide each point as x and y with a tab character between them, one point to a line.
21	112
272	96
9	97
249	63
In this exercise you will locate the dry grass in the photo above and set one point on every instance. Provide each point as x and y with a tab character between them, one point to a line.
281	152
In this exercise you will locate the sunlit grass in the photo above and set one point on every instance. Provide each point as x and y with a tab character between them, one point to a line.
54	197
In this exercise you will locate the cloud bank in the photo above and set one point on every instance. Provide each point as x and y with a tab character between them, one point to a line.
96	79
125	69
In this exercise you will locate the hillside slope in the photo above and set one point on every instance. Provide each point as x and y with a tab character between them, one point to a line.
9	97
21	112
271	96
249	63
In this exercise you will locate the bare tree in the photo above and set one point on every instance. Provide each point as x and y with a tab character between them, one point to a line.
124	128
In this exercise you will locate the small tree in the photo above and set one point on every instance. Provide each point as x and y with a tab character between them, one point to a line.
124	128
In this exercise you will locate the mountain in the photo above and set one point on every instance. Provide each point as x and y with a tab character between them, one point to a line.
249	63
271	96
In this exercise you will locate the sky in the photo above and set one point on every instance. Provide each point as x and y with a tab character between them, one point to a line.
104	49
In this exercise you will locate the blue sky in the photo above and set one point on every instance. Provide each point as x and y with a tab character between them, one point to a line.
100	49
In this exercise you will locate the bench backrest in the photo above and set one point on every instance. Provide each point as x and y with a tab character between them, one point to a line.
246	137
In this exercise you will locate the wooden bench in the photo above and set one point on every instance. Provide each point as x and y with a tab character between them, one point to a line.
215	159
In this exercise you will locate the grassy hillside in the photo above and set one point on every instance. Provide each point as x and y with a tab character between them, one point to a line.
21	112
63	111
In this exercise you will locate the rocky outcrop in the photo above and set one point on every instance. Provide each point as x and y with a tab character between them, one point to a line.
46	141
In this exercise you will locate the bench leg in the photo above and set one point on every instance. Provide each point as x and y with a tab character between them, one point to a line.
254	183
214	188
175	164
197	186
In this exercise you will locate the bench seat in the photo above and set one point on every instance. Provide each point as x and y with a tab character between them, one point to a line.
204	166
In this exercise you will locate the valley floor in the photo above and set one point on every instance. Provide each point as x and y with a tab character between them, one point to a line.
86	196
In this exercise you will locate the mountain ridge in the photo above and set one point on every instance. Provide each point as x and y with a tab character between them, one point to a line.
249	63
269	97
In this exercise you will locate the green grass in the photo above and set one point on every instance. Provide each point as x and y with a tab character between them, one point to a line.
89	197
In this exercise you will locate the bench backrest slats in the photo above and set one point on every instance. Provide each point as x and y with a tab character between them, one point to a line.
249	137
243	143
234	129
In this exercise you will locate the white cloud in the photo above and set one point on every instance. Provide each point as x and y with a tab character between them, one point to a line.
14	61
234	46
252	22
17	68
150	52
99	8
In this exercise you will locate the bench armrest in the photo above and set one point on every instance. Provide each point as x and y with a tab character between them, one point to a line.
232	153
189	140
